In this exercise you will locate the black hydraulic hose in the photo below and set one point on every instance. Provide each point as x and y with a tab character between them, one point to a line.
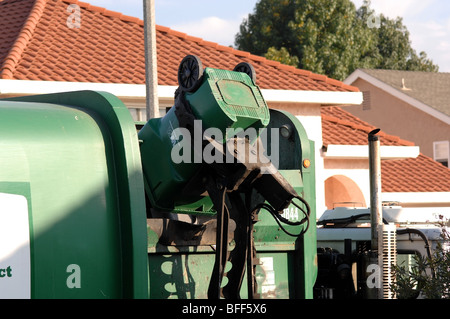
424	238
278	218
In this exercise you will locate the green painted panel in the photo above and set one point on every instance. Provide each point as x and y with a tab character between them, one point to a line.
186	275
77	155
73	212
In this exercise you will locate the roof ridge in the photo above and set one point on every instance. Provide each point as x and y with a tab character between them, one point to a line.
402	71
106	12
13	57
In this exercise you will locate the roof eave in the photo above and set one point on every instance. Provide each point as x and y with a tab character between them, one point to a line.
25	87
387	152
435	198
325	98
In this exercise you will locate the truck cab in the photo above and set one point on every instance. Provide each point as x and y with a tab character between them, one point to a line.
344	245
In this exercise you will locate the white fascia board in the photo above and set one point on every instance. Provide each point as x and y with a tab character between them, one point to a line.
398	94
26	87
314	97
167	91
291	96
417	198
362	152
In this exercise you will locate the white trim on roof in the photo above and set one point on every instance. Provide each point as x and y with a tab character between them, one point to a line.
167	91
362	152
315	97
442	198
398	94
45	87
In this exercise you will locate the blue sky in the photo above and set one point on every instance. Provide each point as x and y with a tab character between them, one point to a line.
428	21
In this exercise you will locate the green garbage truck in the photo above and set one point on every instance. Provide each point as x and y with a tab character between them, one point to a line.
196	204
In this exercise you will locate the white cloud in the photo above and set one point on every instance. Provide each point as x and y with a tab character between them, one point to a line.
398	8
402	8
433	38
212	29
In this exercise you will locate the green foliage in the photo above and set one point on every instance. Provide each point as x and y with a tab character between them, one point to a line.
281	56
421	63
430	275
329	37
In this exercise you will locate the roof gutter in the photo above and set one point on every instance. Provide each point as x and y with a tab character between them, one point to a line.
362	152
26	87
315	97
435	199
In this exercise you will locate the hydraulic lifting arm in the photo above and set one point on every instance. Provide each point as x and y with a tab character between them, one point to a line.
239	181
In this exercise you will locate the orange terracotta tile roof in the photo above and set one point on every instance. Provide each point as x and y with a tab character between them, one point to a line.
340	127
37	44
421	174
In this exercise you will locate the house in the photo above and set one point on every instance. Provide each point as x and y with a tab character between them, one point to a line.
415	105
41	52
408	177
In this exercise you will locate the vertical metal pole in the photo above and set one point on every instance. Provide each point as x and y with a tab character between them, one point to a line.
151	70
375	186
375	204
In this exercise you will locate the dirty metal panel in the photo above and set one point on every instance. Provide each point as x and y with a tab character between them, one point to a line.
187	276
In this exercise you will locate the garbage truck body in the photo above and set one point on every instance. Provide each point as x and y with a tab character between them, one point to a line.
94	206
